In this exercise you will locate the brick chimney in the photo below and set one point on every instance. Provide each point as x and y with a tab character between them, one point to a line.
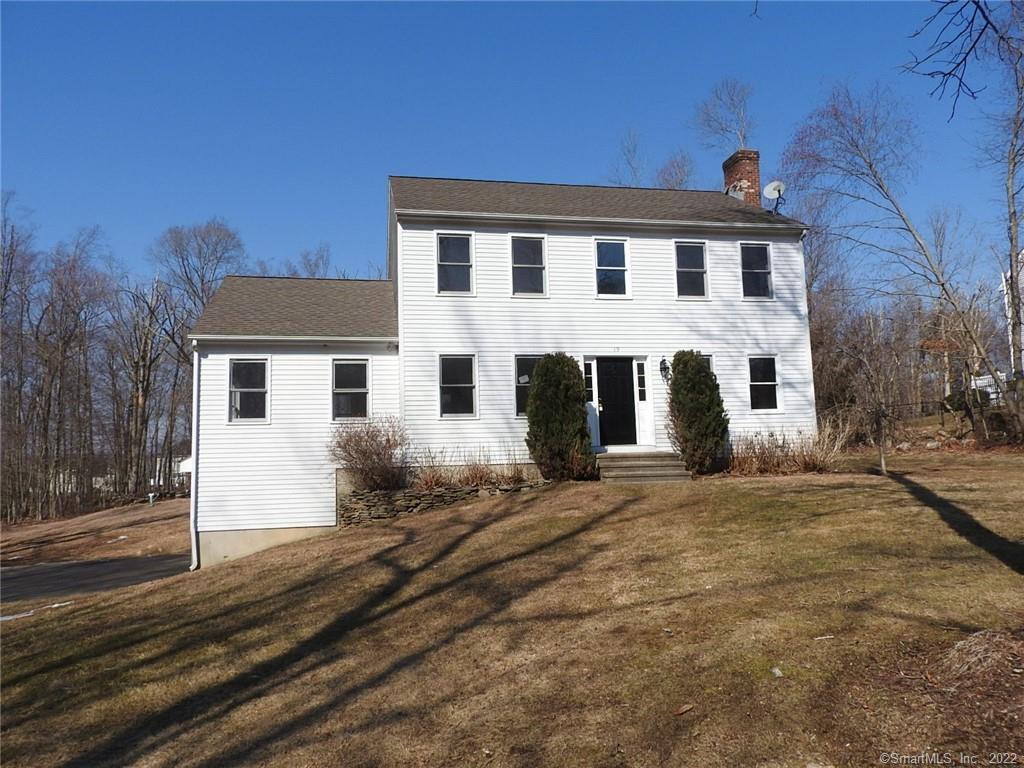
743	175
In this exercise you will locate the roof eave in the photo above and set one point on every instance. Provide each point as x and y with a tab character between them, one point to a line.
781	227
315	339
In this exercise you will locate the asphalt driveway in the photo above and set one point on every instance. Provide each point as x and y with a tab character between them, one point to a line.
44	580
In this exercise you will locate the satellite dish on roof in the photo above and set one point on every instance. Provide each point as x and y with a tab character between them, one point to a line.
774	191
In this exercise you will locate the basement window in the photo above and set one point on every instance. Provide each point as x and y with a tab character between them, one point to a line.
757	271
458	385
454	264
764	384
350	392
248	390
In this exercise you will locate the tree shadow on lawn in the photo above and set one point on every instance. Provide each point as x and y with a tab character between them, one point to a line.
188	715
961	522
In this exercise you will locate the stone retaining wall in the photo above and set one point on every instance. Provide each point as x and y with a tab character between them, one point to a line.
357	507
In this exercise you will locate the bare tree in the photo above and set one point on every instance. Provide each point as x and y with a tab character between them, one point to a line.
676	172
629	169
723	119
960	32
192	261
858	151
310	263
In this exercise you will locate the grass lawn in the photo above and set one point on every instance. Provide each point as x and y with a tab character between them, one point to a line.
584	624
137	530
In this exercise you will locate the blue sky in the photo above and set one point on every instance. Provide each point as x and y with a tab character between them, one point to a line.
286	119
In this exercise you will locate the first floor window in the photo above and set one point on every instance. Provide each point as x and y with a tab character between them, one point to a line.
458	385
524	373
641	381
351	390
454	264
588	379
611	268
764	384
528	266
757	271
248	390
691	270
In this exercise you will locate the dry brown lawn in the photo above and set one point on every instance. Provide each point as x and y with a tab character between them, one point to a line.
136	530
581	625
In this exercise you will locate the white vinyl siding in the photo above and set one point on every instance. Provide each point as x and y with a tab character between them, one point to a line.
496	327
277	474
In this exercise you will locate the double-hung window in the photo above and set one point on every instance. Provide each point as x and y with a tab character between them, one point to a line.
528	266
611	268
350	392
691	270
248	390
458	385
454	264
757	271
764	384
524	373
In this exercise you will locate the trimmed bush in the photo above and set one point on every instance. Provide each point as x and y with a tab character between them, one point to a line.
697	423
374	453
556	412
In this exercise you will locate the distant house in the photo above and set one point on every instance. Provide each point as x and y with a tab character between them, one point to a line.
485	277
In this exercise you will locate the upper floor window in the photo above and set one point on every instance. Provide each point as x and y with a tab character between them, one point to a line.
524	373
757	271
611	268
454	264
764	384
458	385
528	266
248	390
691	270
350	391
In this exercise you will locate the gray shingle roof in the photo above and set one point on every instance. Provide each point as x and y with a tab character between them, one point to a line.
515	198
289	306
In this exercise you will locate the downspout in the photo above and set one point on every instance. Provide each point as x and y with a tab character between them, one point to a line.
193	496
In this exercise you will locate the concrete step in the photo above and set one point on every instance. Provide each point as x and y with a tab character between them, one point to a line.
671	461
647	480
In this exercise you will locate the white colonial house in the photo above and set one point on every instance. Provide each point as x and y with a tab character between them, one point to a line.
484	277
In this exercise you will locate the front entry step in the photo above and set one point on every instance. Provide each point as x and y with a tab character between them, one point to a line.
653	467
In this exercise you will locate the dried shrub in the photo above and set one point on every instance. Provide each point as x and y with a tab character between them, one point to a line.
513	471
759	454
771	454
821	454
432	471
374	453
475	471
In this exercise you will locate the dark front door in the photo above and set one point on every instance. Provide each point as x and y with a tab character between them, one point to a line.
615	399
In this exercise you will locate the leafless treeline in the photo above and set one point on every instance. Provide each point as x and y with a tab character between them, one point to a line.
96	372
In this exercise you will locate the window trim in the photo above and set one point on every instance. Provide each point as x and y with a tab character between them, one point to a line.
771	272
265	359
512	266
476	387
438	234
515	382
707	271
366	360
628	269
779	402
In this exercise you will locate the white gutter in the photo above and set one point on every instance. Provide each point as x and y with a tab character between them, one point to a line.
333	339
596	220
193	517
